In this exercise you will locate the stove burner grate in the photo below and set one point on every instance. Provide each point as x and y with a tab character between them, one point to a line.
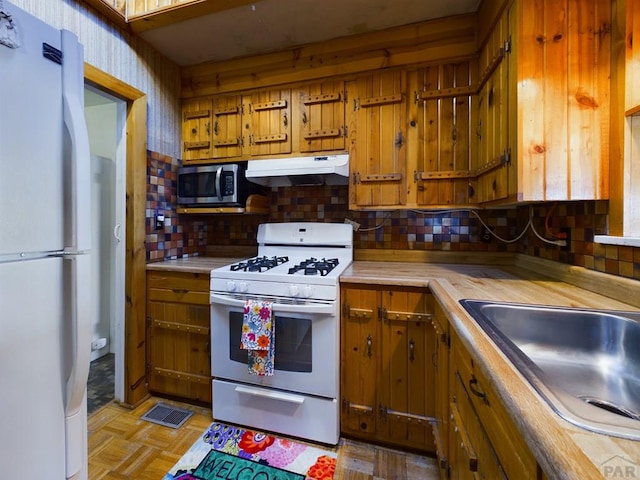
259	264
313	266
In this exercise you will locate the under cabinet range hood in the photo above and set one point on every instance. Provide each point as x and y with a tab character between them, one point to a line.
285	172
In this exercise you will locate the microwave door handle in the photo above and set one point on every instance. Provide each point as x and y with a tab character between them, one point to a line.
219	183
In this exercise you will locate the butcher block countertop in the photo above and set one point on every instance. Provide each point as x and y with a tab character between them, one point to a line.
192	264
562	449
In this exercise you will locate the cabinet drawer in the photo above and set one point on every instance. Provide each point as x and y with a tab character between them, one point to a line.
178	287
514	455
197	282
178	295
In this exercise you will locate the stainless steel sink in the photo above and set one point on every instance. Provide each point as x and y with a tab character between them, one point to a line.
584	363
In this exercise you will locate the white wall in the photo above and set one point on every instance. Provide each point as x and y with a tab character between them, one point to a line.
103	139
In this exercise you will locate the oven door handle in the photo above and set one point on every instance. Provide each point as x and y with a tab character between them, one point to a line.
274	395
313	308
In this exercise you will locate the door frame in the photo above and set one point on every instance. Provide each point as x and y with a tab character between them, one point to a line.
134	366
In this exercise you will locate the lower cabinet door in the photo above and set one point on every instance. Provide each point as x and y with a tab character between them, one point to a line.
360	351
178	361
178	349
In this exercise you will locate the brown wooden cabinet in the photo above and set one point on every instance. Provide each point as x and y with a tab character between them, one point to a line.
388	384
544	112
440	424
197	130
178	340
632	58
377	140
320	120
492	129
236	127
439	134
483	440
269	122
227	133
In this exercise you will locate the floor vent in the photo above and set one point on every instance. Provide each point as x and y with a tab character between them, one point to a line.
167	415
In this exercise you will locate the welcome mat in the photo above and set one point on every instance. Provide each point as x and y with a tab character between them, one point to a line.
236	453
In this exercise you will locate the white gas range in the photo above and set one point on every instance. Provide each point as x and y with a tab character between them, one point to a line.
297	269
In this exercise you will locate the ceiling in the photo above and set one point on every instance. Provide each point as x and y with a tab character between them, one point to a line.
273	25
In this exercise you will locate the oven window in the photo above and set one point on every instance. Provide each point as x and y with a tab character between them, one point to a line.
293	342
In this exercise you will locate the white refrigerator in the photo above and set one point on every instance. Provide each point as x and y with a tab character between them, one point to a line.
44	243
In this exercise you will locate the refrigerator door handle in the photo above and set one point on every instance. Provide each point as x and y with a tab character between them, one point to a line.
78	239
73	104
80	326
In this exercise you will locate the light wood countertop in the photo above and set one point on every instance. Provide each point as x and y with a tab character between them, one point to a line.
192	264
562	449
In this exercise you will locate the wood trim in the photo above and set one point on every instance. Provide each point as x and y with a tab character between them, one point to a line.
626	290
632	111
135	268
170	14
618	122
108	82
445	175
256	204
177	375
488	14
432	256
420	43
110	12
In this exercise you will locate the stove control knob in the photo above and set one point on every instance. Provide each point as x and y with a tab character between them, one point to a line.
294	290
231	286
307	291
243	287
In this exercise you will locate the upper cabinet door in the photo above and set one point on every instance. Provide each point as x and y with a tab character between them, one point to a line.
270	122
321	121
227	126
378	140
439	138
196	130
632	58
492	138
562	82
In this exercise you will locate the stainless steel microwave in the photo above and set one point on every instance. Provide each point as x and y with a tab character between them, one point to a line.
214	185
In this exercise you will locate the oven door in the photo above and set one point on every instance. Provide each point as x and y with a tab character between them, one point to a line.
306	345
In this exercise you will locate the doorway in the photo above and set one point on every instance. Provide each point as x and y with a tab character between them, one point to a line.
106	121
130	385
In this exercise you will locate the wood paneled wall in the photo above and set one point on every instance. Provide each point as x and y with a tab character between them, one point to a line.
422	43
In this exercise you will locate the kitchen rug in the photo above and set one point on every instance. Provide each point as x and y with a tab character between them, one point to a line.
236	453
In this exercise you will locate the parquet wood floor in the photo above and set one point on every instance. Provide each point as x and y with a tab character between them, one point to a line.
122	446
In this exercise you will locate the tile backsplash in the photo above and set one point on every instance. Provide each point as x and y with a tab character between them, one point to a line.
455	230
177	237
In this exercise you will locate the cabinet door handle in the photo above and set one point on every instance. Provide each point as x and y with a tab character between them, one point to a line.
412	346
473	383
179	291
369	345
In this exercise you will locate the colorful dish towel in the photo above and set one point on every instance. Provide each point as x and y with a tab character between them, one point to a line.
258	337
